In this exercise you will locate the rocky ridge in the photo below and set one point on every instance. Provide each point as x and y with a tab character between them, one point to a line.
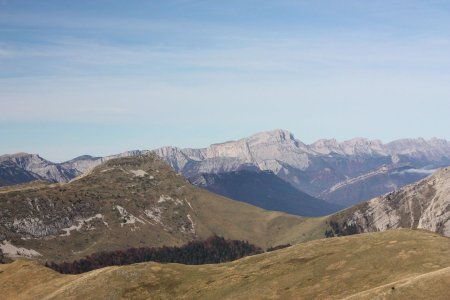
341	172
344	173
423	205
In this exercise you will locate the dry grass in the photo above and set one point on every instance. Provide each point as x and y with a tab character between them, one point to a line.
367	266
114	183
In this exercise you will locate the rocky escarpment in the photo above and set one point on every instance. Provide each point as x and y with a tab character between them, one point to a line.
340	172
424	205
344	173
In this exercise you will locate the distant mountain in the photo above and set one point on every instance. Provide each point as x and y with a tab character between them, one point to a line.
422	205
85	163
340	172
24	167
373	183
131	202
264	189
11	174
343	173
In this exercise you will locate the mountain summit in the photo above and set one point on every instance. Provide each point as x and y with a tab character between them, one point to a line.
343	173
340	172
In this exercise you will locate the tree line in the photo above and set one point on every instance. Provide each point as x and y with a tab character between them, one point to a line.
270	249
210	251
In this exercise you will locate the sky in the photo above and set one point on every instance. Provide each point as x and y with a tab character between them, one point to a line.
104	76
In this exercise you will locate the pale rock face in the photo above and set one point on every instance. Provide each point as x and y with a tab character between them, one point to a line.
382	218
436	216
344	172
35	164
175	157
13	251
356	146
82	222
281	145
83	164
262	150
424	205
128	218
139	173
329	169
432	149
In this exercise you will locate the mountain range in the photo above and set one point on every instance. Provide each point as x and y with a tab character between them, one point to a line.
140	201
342	173
396	248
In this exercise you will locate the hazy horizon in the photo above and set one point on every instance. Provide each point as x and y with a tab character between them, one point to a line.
197	147
102	77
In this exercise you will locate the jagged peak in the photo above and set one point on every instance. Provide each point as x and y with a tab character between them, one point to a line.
21	156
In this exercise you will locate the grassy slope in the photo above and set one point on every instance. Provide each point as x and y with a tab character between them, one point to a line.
433	285
112	184
416	263
268	191
237	220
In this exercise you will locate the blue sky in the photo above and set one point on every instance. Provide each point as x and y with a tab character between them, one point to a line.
101	77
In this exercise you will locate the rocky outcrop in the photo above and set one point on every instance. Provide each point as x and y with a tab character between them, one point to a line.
423	205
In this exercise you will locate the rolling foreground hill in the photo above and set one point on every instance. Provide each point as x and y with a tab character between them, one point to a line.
423	205
397	264
131	202
264	189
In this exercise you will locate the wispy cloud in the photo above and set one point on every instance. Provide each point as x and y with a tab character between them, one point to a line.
301	55
319	68
417	171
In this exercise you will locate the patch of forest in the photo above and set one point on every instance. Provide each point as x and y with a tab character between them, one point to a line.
210	251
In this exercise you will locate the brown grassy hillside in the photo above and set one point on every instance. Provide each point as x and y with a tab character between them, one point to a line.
133	202
397	264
